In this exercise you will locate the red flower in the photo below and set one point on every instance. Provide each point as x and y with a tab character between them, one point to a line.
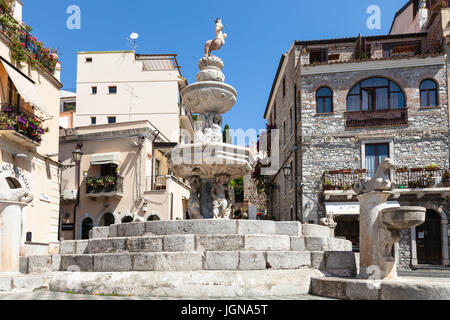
22	44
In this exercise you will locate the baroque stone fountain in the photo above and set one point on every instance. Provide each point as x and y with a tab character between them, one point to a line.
209	164
380	225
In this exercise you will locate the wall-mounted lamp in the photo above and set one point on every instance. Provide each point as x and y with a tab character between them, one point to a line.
21	156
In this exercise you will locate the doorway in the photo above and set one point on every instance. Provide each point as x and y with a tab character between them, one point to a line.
107	220
428	239
348	227
86	226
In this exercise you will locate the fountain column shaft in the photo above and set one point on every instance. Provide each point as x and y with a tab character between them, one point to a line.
10	236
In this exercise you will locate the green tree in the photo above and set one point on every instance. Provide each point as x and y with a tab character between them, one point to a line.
226	135
238	185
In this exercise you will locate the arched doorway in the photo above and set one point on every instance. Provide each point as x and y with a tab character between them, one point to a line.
127	219
107	220
153	217
13	183
86	226
428	239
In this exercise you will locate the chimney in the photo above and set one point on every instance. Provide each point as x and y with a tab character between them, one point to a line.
423	15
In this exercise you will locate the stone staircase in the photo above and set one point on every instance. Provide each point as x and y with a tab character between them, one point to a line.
207	249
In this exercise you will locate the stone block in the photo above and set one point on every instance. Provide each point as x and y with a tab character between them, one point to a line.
267	243
335	244
290	228
100	232
361	290
173	243
108	245
318	260
113	231
6	284
288	259
39	264
168	261
192	227
67	247
23	265
221	260
112	262
219	242
298	244
53	248
249	260
81	246
145	244
340	263
315	230
56	262
423	289
134	229
331	288
316	243
76	263
256	227
29	283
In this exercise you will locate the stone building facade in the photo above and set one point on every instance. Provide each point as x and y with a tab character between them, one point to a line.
355	101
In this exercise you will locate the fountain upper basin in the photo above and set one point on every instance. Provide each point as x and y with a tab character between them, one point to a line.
400	218
209	96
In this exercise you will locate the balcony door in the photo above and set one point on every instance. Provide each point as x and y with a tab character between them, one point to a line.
375	154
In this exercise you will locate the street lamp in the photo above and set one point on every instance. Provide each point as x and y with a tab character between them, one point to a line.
76	154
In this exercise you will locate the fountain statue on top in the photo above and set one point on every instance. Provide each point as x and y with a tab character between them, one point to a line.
380	224
209	164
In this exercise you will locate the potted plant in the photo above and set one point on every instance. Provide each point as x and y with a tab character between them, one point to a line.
90	182
416	169
100	182
346	171
400	170
110	180
413	184
432	167
328	185
361	171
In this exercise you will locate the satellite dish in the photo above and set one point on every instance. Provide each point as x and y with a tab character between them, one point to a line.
134	36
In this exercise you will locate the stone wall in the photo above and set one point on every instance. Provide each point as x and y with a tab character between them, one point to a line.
251	193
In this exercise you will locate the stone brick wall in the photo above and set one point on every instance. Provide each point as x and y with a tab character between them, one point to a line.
251	193
411	147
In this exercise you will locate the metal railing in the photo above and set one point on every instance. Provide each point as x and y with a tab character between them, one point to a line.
157	183
13	117
377	118
403	178
104	184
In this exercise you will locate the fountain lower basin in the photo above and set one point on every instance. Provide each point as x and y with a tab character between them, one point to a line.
401	218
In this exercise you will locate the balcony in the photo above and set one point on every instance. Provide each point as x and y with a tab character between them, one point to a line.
377	118
23	44
105	186
407	181
20	126
159	183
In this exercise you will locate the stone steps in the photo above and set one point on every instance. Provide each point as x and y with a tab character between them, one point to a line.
23	283
203	242
207	226
186	261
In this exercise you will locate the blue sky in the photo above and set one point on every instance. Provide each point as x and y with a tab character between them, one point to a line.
258	33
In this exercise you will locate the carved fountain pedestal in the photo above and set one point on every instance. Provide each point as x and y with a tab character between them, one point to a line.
208	163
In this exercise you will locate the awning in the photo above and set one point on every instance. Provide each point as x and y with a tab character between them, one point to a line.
105	158
26	89
349	208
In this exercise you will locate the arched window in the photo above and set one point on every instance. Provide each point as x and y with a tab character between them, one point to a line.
127	219
324	100
86	226
428	93
107	219
13	183
153	217
375	94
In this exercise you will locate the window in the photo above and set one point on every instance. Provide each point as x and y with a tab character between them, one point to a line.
111	119
112	90
275	113
157	168
318	55
375	94
93	120
428	93
94	90
69	106
284	87
88	60
401	49
375	154
291	179
13	94
284	132
324	100
86	226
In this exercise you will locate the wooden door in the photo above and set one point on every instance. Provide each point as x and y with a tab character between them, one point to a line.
428	240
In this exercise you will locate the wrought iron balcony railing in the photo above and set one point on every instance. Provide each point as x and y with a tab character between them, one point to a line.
13	117
104	184
378	118
403	178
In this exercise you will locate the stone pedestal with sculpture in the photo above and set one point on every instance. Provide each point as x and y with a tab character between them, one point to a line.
209	164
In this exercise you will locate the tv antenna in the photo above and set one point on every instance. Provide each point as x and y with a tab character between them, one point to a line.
132	39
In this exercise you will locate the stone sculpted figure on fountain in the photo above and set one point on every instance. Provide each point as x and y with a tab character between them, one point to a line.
194	200
219	41
218	194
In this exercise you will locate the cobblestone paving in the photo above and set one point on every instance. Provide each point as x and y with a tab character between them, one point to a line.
49	295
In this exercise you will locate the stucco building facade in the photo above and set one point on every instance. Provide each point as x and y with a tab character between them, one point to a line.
343	105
